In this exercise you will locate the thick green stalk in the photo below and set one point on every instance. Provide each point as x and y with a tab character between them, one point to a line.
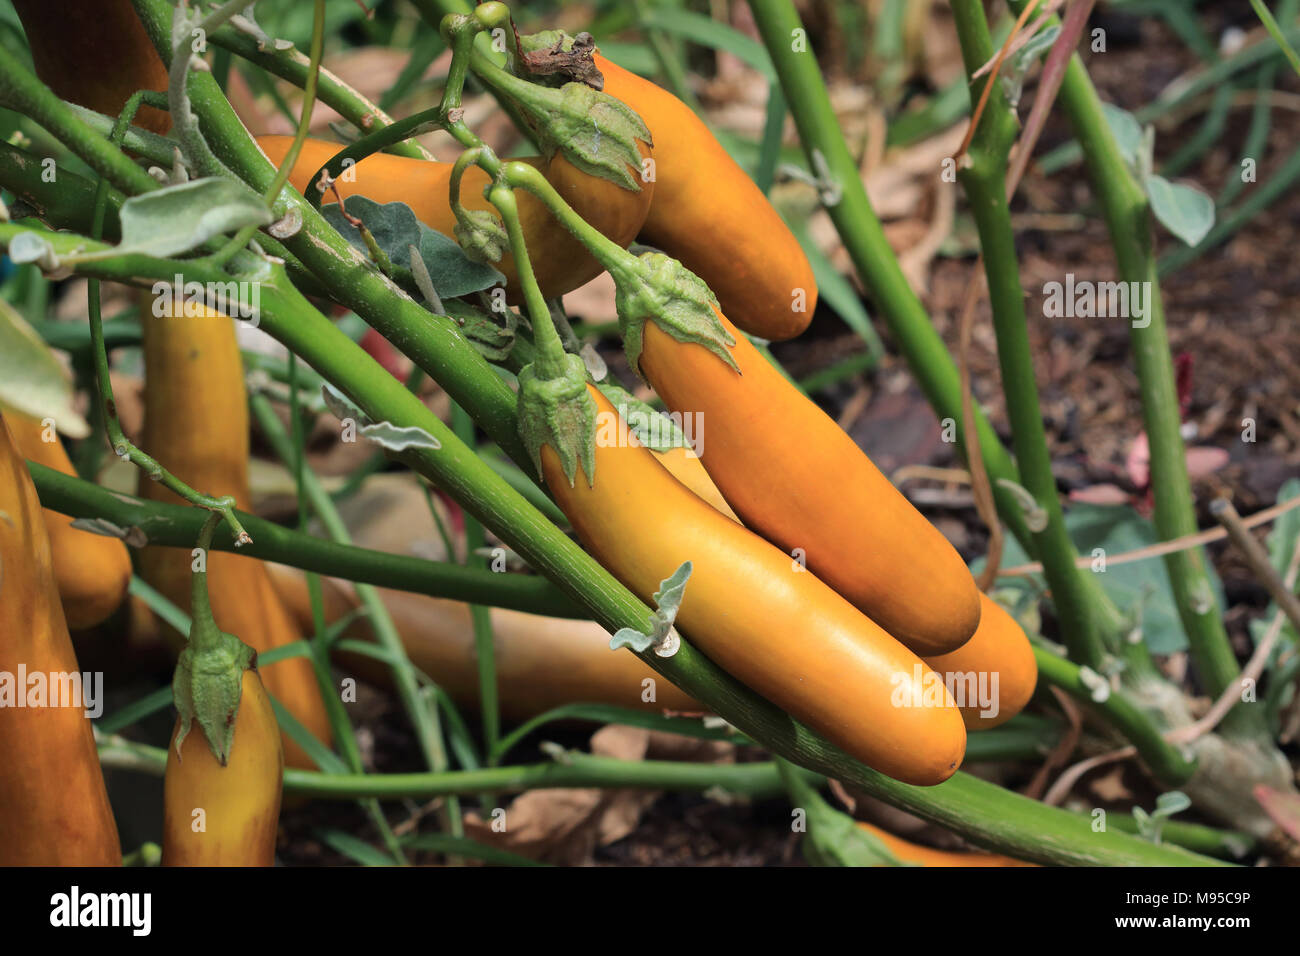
68	205
983	176
308	103
175	525
984	812
480	616
1128	218
1224	844
757	781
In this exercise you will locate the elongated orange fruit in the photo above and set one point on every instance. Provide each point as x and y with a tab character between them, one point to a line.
96	54
794	476
225	816
708	213
758	614
54	809
992	676
196	426
92	571
684	465
541	662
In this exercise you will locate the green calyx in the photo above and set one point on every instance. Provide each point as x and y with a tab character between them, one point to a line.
481	235
665	292
208	683
557	410
595	132
209	676
652	428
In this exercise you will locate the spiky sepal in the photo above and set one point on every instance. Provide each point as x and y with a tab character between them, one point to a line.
560	412
665	292
207	686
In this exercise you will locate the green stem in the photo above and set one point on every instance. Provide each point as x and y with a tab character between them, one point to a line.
293	66
1128	219
203	638
308	103
1224	844
423	717
1276	33
99	351
433	342
174	525
1207	80
481	618
1164	759
549	362
983	176
398	132
20	90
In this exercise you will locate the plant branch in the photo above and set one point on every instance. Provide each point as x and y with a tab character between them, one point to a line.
984	176
20	90
1128	218
294	66
175	525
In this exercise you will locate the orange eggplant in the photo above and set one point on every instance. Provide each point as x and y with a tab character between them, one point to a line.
196	426
995	668
709	214
54	810
95	53
216	815
684	465
928	856
794	476
758	614
560	262
92	571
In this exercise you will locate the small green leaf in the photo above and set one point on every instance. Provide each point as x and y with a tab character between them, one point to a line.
393	438
1185	211
1040	43
395	230
493	340
31	378
1151	825
833	838
668	600
29	247
652	428
1126	130
176	219
385	434
453	273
